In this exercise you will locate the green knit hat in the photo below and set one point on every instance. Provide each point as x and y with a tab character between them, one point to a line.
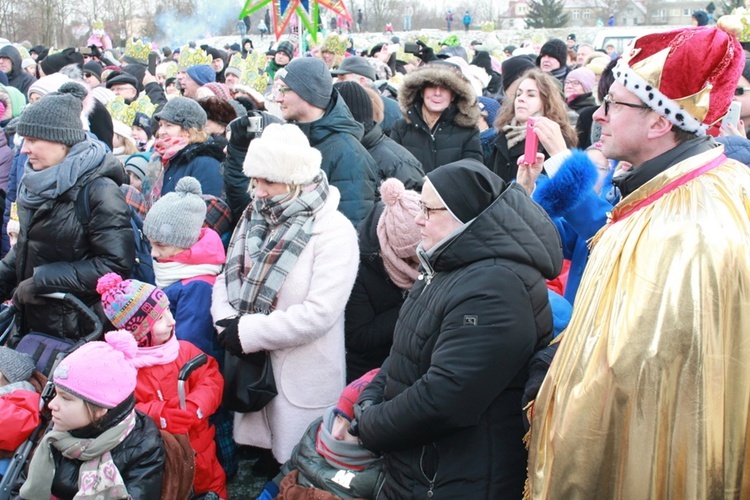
55	117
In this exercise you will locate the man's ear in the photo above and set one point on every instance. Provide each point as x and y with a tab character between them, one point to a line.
658	126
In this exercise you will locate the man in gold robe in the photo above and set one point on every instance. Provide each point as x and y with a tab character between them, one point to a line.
649	393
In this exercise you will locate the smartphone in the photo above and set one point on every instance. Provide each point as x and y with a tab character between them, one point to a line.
532	143
733	115
411	48
152	57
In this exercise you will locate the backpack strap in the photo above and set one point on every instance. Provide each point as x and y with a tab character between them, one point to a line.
83	206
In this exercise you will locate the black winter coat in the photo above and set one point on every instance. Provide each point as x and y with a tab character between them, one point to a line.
504	161
393	160
455	136
373	306
17	77
447	402
139	458
62	256
346	162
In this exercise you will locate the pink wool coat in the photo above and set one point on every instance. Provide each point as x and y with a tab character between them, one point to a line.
305	334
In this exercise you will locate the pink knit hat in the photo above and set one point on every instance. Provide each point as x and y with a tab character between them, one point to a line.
132	305
398	234
219	90
101	373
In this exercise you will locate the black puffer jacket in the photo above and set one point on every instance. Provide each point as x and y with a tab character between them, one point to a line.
139	458
55	248
447	411
455	136
373	306
393	160
17	77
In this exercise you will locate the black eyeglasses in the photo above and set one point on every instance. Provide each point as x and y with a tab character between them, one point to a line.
741	91
426	210
608	101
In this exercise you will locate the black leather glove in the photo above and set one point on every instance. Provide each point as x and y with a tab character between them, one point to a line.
358	409
229	338
425	54
26	293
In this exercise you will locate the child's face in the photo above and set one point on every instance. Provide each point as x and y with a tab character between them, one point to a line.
163	328
135	181
340	430
139	134
69	412
161	251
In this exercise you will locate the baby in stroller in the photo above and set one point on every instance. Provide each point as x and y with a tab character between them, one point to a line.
19	402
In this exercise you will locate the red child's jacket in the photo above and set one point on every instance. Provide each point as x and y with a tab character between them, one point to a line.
19	416
158	384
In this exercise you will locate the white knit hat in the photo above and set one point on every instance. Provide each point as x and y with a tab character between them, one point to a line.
282	154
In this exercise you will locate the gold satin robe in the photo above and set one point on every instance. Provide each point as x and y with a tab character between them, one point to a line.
649	393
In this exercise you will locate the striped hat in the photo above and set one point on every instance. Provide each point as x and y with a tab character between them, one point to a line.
132	305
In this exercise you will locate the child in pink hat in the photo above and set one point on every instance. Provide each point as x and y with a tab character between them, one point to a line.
143	311
99	445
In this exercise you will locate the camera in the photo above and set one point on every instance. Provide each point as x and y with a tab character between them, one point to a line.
255	125
411	48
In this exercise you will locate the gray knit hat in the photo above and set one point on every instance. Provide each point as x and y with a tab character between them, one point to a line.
177	218
184	112
55	117
310	79
15	366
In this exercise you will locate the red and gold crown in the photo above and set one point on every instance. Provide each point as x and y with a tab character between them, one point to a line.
686	75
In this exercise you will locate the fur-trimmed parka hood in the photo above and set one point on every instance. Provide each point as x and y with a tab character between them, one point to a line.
465	99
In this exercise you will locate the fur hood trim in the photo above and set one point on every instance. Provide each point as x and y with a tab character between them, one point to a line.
465	99
569	187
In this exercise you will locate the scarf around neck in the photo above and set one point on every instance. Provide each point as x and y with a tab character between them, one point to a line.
168	273
158	354
340	454
98	476
514	133
40	186
266	244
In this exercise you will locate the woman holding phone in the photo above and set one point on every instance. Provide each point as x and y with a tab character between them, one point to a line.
537	96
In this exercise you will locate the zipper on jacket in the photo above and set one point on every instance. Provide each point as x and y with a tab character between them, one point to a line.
431	480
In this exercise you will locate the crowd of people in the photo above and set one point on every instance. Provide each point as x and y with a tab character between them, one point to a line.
470	272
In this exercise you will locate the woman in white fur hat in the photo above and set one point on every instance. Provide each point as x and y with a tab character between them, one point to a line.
290	268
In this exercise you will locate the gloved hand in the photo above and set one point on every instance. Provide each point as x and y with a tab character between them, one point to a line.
425	54
240	137
177	421
26	293
229	338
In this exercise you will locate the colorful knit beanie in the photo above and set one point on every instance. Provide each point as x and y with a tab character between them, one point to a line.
350	394
132	305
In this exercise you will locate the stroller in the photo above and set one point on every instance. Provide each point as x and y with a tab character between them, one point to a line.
47	352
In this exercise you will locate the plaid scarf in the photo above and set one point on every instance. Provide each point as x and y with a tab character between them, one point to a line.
514	133
266	244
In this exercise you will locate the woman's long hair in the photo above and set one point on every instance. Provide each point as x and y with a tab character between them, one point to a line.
553	104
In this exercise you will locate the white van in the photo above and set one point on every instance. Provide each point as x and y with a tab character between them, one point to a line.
620	37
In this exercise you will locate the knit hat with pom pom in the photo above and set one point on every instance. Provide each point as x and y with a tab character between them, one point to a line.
101	373
398	234
55	117
132	305
177	218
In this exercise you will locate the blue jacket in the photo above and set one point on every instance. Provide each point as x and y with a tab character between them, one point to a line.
569	198
346	162
736	148
201	161
189	305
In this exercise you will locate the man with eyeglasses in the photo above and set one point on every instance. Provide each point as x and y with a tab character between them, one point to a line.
445	408
304	91
649	394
